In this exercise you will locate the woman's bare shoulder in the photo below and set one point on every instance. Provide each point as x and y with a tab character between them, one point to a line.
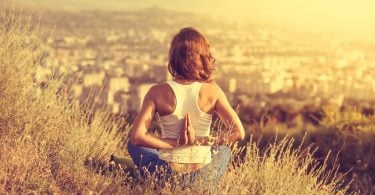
161	86
212	89
159	89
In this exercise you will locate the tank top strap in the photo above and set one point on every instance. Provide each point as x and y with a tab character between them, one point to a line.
177	92
173	85
195	89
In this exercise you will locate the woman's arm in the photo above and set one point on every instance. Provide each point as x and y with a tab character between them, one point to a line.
234	130
139	134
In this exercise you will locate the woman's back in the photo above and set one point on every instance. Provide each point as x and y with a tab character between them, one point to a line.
165	98
186	100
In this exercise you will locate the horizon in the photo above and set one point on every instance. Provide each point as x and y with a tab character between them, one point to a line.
348	16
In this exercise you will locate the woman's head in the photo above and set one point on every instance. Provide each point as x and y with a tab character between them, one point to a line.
189	56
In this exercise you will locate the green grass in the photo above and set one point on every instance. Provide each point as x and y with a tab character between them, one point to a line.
46	142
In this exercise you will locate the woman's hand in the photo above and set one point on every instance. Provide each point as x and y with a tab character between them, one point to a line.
190	129
187	135
205	141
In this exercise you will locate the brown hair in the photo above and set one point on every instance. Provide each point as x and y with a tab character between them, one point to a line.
189	56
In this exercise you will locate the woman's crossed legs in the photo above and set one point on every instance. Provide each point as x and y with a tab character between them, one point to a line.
148	162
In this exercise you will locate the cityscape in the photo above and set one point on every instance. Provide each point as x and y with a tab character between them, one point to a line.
258	66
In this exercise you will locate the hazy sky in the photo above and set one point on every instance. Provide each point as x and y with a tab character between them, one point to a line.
348	14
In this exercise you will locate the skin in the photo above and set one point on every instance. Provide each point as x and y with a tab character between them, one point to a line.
160	98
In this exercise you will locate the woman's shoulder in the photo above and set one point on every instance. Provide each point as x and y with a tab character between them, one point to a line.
211	89
211	86
159	88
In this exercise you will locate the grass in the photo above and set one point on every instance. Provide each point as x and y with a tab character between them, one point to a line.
346	134
350	135
47	145
282	170
44	139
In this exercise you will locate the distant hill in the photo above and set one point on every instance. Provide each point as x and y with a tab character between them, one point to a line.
318	16
71	21
110	4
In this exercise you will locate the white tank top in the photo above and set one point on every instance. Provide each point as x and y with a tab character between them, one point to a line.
171	125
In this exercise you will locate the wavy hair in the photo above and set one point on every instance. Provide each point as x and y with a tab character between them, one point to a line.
190	57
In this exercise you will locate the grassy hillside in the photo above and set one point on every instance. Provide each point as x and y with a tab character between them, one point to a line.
47	144
347	135
43	139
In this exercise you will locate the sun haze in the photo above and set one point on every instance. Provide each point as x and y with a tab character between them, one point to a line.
346	15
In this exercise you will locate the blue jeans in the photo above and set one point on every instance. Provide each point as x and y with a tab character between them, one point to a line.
148	162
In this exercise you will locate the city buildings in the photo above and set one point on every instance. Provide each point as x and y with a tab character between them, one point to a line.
272	64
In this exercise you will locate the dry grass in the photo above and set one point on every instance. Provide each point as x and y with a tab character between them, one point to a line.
282	170
45	141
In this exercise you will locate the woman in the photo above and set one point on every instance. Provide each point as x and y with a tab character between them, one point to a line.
185	106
